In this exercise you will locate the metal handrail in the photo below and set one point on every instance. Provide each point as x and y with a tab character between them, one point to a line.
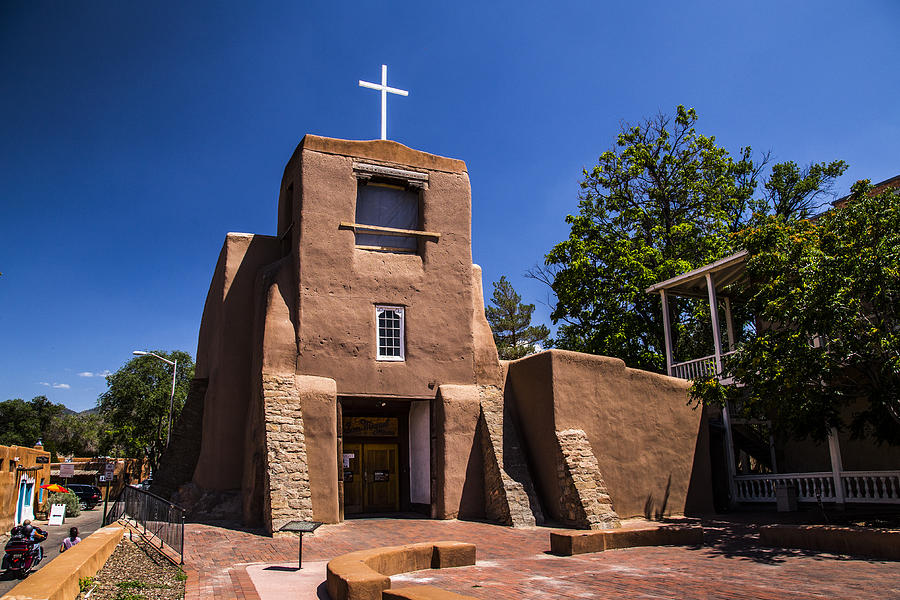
157	516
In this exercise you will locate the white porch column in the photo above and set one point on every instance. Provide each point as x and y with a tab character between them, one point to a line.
714	316
729	453
729	324
726	418
837	465
772	450
667	331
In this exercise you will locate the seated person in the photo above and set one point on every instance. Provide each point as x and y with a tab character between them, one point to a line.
36	535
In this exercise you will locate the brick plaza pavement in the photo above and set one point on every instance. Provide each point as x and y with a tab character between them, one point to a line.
514	564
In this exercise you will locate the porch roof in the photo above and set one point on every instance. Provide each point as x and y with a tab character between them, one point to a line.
693	283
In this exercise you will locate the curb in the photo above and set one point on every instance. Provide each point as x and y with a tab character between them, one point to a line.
873	543
58	580
568	543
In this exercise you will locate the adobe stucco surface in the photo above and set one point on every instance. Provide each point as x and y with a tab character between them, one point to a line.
12	459
651	448
339	286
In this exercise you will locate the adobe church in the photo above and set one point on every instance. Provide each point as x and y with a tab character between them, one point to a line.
345	366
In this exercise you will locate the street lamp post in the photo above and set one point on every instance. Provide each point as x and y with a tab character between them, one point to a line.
172	396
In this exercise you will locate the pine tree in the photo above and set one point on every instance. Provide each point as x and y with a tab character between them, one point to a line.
511	323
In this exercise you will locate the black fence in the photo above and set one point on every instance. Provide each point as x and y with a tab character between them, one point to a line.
159	518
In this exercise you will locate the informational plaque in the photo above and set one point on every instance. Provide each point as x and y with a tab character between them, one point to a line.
57	514
370	426
67	470
110	470
42	460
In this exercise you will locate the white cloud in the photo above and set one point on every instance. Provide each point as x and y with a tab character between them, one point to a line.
92	374
56	386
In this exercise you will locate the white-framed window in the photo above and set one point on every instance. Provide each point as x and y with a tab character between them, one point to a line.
390	332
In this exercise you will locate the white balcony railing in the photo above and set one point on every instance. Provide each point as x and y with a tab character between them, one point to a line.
876	487
697	368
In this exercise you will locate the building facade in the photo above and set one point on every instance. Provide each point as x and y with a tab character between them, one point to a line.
22	473
345	365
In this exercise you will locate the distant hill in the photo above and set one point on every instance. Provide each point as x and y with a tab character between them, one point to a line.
90	411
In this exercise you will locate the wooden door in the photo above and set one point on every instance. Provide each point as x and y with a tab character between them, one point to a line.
353	478
382	489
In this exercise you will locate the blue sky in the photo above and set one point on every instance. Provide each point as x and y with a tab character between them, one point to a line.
135	135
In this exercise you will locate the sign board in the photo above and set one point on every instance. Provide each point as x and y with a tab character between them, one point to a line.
67	470
104	478
57	514
370	426
347	457
42	460
110	469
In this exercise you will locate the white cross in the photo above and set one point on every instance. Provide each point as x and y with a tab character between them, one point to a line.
384	89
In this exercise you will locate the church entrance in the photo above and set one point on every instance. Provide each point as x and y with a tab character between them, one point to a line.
371	481
384	456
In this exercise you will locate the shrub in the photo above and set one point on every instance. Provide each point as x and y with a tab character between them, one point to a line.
73	504
85	583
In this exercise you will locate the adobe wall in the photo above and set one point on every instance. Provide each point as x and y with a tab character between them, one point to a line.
9	480
224	351
458	475
339	285
652	449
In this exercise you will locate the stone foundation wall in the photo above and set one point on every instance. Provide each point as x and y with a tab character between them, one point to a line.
584	498
509	494
287	491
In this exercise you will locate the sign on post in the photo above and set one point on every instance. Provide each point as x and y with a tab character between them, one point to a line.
57	514
67	470
110	470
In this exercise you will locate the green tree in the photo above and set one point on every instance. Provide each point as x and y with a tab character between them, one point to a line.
77	434
827	296
135	408
510	321
19	424
792	192
661	202
24	423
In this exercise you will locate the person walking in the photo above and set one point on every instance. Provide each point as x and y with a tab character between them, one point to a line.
71	540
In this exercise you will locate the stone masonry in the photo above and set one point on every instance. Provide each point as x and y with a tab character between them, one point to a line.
510	497
584	498
288	496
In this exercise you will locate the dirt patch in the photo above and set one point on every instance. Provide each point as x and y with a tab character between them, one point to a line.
135	571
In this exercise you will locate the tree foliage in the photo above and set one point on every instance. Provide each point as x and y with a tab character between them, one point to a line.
792	192
827	297
76	434
510	321
135	408
24	423
661	202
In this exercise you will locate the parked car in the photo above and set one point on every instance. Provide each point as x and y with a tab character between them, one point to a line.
89	495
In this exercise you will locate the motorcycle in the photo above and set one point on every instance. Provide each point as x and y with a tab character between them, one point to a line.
21	555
